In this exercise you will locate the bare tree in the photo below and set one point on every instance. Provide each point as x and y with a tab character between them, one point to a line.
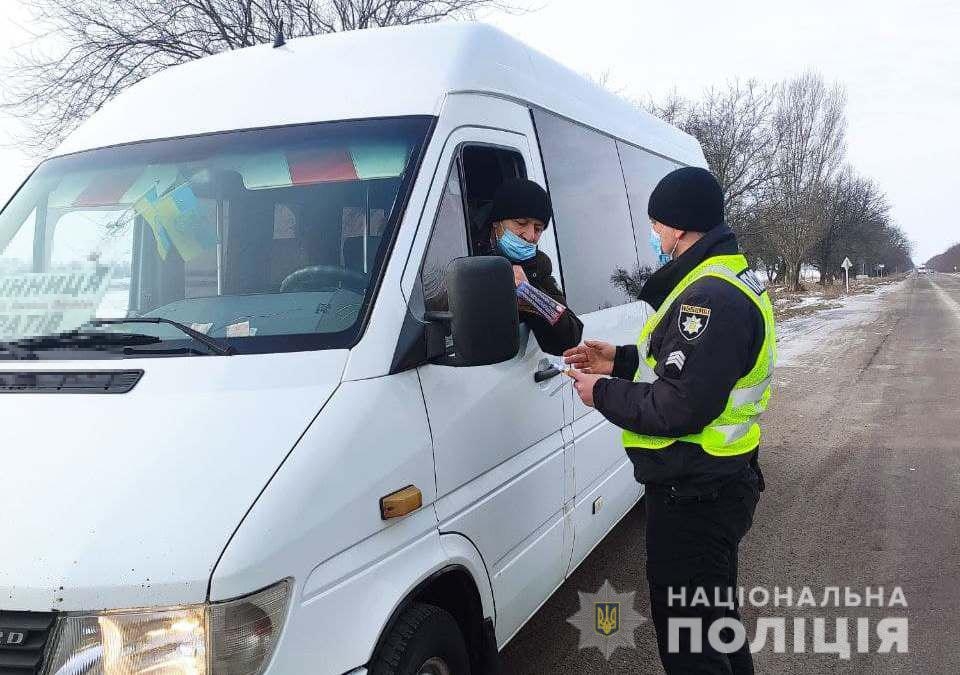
753	235
673	109
778	153
882	243
857	213
734	127
90	50
810	127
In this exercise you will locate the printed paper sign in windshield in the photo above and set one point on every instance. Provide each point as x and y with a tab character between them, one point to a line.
52	302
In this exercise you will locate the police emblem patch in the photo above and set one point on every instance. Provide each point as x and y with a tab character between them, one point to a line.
692	321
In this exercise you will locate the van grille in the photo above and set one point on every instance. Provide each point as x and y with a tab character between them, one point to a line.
23	640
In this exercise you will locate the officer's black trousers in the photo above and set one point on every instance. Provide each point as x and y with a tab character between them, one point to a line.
691	544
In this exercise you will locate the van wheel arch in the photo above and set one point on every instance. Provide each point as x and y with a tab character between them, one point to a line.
454	590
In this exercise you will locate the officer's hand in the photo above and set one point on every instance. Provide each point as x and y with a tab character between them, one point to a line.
583	383
592	357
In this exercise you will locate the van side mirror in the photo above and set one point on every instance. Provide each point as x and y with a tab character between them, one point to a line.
483	316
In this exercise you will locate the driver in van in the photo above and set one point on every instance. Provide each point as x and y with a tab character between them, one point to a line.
511	226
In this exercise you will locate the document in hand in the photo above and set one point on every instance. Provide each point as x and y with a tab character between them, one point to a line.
543	304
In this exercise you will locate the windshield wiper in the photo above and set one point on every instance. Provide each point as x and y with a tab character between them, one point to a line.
214	345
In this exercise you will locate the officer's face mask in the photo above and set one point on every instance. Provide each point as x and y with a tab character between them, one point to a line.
657	247
515	247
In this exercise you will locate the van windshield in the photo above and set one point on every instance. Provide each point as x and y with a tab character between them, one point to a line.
271	240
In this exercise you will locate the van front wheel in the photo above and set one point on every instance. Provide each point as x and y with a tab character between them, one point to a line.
426	640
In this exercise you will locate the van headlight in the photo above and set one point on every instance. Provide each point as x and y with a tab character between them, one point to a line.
235	637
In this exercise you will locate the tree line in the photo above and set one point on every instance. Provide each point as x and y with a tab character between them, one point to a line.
779	152
948	261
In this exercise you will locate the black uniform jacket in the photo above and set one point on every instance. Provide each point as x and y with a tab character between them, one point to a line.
697	369
564	334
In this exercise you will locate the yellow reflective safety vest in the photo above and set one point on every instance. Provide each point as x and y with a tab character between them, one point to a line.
735	431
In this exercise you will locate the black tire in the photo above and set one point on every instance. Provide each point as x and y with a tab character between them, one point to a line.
423	632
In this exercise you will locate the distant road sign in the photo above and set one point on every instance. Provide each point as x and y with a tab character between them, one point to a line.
846	265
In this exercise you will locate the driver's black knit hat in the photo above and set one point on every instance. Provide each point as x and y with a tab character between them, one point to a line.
520	198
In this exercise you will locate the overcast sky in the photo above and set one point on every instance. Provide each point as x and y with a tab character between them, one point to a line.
899	61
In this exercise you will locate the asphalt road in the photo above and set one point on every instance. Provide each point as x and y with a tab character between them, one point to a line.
862	462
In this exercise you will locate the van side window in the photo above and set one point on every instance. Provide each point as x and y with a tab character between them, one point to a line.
485	169
448	241
590	210
642	170
473	180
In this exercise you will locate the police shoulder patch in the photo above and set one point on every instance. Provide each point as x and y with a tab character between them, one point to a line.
692	321
752	281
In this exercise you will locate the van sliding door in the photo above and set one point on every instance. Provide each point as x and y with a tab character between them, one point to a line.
598	254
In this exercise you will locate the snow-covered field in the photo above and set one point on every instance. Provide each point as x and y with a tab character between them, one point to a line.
798	335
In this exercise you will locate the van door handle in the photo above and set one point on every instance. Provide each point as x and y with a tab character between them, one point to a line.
544	375
546	371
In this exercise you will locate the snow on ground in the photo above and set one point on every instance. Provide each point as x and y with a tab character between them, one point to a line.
809	300
798	335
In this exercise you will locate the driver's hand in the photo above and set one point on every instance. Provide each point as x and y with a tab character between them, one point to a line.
519	276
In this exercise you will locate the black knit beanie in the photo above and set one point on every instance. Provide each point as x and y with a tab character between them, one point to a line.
687	199
518	198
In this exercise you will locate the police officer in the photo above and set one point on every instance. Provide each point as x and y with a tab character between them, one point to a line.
687	397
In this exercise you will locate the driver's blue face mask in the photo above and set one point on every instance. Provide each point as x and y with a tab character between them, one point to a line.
514	247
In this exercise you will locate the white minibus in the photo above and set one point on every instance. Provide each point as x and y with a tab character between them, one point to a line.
262	411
